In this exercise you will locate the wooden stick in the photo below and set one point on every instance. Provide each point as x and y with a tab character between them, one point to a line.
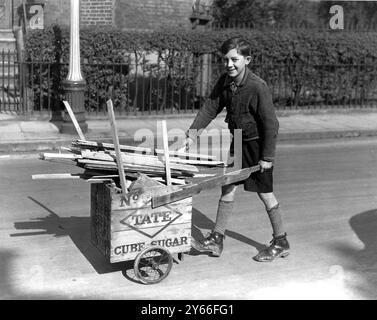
70	156
210	163
173	180
222	180
186	154
73	118
105	145
130	159
122	177
166	152
45	176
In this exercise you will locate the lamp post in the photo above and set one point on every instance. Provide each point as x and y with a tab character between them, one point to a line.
201	19
74	85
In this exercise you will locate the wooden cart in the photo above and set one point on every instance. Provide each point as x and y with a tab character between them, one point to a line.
127	228
148	224
146	221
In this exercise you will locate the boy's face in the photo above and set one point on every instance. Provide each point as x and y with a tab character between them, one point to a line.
235	64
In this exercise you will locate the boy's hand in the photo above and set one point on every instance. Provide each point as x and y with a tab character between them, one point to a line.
187	142
264	165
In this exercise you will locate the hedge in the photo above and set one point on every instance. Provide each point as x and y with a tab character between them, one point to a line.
307	59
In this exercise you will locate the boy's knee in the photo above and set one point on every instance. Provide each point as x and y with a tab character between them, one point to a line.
266	196
268	199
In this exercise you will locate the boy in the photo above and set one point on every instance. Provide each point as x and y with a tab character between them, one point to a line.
249	106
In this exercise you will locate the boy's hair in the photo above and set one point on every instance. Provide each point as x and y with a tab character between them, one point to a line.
238	43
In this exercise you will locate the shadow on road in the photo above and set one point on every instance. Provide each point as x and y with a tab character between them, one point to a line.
363	262
7	289
201	221
77	228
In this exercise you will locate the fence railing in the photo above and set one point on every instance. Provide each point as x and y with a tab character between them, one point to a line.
143	89
182	87
10	82
317	25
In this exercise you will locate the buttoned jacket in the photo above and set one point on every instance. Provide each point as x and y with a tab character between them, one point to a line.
249	107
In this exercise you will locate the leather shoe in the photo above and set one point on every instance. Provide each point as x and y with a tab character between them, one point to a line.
212	244
279	248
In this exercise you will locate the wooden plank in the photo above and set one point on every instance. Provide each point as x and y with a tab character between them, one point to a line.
104	145
132	159
210	163
225	179
114	131
48	156
204	175
104	178
166	152
134	170
108	164
173	180
110	146
73	118
93	181
46	176
187	155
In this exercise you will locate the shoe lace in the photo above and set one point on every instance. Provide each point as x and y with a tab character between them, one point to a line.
210	236
273	242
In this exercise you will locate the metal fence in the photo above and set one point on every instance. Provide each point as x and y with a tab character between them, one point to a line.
182	87
143	89
351	25
10	99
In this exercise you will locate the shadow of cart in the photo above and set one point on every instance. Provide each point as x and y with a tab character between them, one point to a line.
78	229
201	221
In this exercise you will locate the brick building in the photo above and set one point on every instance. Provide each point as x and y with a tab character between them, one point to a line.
123	14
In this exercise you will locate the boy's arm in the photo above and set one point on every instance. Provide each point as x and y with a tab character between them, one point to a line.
209	112
201	121
269	122
203	118
205	115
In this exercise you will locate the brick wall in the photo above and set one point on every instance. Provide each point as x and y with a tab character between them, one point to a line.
97	12
149	14
124	14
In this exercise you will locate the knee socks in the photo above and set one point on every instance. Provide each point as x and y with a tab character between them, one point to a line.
276	220
225	209
224	212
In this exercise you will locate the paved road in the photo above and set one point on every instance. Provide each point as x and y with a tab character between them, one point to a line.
327	191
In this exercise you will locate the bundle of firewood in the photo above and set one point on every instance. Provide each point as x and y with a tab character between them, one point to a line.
100	162
121	163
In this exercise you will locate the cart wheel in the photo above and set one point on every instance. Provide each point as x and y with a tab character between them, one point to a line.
153	264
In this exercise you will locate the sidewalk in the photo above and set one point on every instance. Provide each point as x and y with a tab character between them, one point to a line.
25	136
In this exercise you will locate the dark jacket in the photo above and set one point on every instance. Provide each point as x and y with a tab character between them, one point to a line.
249	108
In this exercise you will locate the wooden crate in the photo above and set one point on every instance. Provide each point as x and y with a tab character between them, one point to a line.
123	226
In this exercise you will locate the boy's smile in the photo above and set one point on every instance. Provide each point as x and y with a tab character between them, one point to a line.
235	64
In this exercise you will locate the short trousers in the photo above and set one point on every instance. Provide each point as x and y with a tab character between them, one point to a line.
260	182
